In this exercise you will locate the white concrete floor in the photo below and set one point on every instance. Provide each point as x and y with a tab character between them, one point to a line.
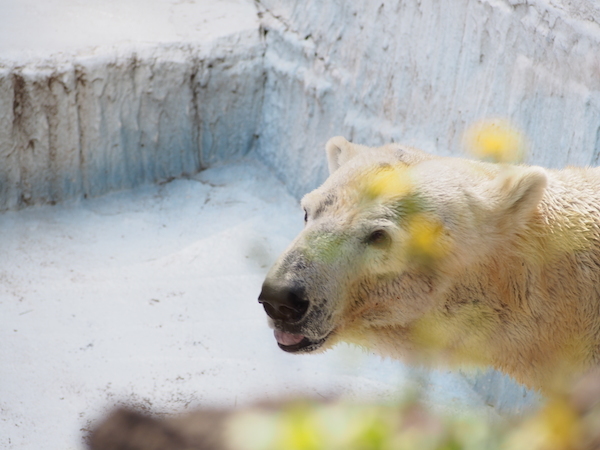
149	298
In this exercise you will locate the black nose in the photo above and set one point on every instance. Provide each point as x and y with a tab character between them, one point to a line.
283	302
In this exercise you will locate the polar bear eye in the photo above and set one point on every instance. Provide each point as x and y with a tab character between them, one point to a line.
305	216
379	238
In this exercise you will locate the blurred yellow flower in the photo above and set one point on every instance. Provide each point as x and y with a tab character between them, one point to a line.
496	141
299	429
555	427
425	243
392	181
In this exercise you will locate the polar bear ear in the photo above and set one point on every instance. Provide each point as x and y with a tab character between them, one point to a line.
340	151
517	193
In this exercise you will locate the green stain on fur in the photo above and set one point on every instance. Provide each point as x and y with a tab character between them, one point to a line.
324	247
408	206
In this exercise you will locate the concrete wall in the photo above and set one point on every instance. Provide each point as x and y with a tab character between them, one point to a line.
415	71
84	126
421	71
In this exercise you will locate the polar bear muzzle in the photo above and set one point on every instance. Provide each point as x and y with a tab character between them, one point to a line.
287	306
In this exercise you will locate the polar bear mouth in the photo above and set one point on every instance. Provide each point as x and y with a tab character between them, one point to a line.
293	343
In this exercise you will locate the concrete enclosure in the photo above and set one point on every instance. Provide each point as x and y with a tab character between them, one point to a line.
277	78
104	96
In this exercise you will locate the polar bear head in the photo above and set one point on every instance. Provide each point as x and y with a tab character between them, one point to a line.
386	237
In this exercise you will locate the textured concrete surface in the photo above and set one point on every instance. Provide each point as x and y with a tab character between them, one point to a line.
421	71
98	96
102	96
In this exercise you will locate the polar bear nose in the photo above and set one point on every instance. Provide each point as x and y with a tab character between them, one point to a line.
283	302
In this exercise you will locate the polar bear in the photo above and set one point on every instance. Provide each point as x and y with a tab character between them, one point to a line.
436	259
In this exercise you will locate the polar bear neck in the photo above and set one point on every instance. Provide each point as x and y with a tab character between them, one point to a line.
532	316
531	310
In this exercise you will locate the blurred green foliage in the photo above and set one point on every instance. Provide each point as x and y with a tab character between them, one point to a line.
307	425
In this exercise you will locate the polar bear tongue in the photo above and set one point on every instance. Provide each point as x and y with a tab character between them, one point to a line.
287	338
